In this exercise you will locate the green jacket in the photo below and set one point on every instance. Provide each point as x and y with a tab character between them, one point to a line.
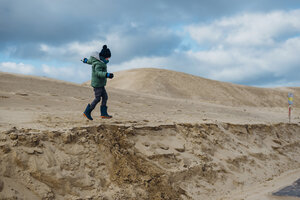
99	70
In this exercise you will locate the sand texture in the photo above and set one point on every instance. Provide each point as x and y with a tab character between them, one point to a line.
172	136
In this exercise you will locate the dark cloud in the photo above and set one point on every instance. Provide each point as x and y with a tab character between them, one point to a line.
140	43
59	21
42	21
124	46
26	51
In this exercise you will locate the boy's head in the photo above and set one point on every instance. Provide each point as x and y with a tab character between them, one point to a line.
105	52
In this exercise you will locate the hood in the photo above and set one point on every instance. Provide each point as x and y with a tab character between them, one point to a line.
96	55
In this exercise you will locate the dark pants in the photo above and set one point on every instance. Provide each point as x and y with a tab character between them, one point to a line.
99	92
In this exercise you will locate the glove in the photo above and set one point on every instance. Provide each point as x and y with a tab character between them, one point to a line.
85	60
109	75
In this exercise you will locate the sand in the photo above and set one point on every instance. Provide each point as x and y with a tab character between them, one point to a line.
172	136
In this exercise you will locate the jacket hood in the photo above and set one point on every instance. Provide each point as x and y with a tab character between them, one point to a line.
96	55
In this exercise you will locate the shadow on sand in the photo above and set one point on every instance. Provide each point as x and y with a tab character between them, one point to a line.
292	190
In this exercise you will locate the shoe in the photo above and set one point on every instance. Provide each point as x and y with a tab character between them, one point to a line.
87	112
104	113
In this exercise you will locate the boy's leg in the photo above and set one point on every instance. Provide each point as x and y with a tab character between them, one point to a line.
97	99
90	107
104	97
103	107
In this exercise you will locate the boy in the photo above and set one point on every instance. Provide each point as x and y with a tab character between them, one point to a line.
98	82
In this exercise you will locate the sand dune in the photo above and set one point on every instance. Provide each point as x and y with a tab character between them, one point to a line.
180	85
164	141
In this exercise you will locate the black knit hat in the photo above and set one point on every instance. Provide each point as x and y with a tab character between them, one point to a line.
105	52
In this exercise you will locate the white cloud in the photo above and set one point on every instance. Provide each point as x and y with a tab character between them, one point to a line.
142	62
17	68
74	74
79	74
266	67
247	29
204	34
254	49
241	66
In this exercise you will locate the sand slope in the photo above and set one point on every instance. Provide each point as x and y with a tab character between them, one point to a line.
155	147
180	85
183	161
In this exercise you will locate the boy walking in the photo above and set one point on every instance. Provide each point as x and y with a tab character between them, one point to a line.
98	82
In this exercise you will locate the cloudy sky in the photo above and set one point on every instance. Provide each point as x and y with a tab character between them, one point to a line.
253	43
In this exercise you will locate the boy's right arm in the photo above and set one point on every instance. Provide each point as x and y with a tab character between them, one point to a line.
89	61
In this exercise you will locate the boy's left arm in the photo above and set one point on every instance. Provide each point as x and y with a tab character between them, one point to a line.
99	72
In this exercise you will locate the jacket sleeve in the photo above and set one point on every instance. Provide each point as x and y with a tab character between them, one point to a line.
89	61
99	72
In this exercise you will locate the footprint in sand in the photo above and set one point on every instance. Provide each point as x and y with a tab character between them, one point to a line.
162	146
21	94
146	144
